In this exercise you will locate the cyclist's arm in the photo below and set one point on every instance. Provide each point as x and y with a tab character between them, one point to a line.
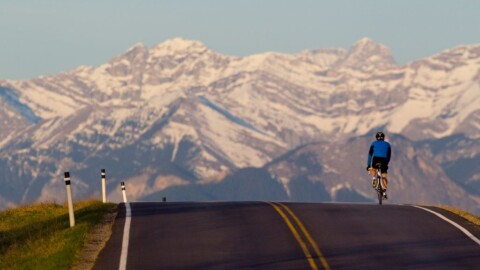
389	153
370	155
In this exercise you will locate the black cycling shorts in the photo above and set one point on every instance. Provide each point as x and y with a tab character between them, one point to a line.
382	161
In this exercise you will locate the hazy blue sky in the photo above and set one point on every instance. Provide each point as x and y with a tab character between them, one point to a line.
46	37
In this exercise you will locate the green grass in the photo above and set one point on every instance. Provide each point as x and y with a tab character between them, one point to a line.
39	236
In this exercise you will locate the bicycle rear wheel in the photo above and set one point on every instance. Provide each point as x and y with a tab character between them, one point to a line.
380	196
379	187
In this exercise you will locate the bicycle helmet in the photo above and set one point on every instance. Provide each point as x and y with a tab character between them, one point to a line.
380	136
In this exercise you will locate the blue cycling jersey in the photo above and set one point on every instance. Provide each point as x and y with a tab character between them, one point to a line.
380	149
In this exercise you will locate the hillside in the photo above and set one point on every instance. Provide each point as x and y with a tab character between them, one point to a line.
179	116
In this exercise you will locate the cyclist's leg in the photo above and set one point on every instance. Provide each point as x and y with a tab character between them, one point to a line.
373	171
384	177
384	173
384	180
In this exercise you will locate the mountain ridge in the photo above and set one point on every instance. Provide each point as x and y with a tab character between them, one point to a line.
208	115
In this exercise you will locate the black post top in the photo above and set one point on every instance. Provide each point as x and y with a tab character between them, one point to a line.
103	170
67	174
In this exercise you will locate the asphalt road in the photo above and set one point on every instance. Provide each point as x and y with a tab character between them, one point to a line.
261	235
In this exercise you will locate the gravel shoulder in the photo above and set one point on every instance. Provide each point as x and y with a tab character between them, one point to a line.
96	241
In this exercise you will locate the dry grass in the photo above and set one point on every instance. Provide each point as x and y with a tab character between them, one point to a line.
39	236
470	217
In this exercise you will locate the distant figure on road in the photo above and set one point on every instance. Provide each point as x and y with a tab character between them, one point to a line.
380	152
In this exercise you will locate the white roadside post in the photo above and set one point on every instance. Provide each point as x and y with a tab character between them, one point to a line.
104	192
71	214
123	192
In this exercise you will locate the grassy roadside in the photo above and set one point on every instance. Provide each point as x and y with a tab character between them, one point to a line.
472	218
39	236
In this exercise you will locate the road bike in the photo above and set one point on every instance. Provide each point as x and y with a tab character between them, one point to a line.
379	183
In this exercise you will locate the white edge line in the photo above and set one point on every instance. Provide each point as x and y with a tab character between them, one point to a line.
465	231
126	236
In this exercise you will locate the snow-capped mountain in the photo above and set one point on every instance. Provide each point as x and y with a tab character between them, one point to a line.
180	114
413	175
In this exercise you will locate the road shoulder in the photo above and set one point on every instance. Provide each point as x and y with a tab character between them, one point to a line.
96	241
468	225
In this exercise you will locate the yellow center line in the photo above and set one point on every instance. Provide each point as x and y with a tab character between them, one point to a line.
295	233
320	256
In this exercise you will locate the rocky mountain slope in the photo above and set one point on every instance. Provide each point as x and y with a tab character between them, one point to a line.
180	116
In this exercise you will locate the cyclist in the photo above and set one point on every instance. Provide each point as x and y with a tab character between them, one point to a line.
380	152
